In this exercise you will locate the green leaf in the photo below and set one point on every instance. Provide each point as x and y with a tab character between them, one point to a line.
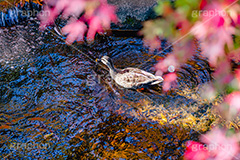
159	9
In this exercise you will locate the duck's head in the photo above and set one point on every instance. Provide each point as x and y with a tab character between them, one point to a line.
105	60
108	62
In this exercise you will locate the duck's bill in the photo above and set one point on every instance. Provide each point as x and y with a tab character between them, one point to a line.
97	60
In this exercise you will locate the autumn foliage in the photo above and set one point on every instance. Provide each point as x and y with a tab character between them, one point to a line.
84	16
214	23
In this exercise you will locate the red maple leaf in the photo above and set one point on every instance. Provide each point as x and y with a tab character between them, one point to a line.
195	151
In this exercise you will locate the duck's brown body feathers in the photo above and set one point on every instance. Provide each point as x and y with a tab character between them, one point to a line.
131	77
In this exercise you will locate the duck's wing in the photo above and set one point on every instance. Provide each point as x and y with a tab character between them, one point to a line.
141	72
154	79
137	71
130	77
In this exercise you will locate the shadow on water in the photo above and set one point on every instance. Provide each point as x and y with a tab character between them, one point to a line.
58	103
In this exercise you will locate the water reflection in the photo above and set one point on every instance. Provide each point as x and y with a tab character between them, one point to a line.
58	98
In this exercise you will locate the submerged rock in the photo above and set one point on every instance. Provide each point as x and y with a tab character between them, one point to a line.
131	13
138	9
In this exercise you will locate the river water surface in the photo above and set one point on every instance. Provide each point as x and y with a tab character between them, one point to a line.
56	101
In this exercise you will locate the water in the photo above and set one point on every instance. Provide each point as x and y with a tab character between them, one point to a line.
11	15
57	102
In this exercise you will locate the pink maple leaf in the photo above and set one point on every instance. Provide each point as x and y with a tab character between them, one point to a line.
51	2
169	80
98	15
213	42
195	151
223	72
47	16
101	19
170	60
220	146
233	100
107	14
94	27
238	19
75	31
71	8
235	55
154	43
214	31
169	64
237	73
214	15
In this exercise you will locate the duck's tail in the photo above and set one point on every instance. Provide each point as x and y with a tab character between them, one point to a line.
158	80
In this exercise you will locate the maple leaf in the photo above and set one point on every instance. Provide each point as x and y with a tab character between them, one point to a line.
195	151
219	145
47	16
169	64
100	20
233	101
223	72
96	13
169	80
94	27
154	43
107	14
71	8
51	2
75	31
203	4
235	55
213	40
214	31
170	60
237	74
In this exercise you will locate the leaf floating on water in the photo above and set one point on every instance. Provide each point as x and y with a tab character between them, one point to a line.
164	118
48	135
5	127
37	119
80	138
94	146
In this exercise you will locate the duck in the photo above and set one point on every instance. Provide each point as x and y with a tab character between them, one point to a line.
131	78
